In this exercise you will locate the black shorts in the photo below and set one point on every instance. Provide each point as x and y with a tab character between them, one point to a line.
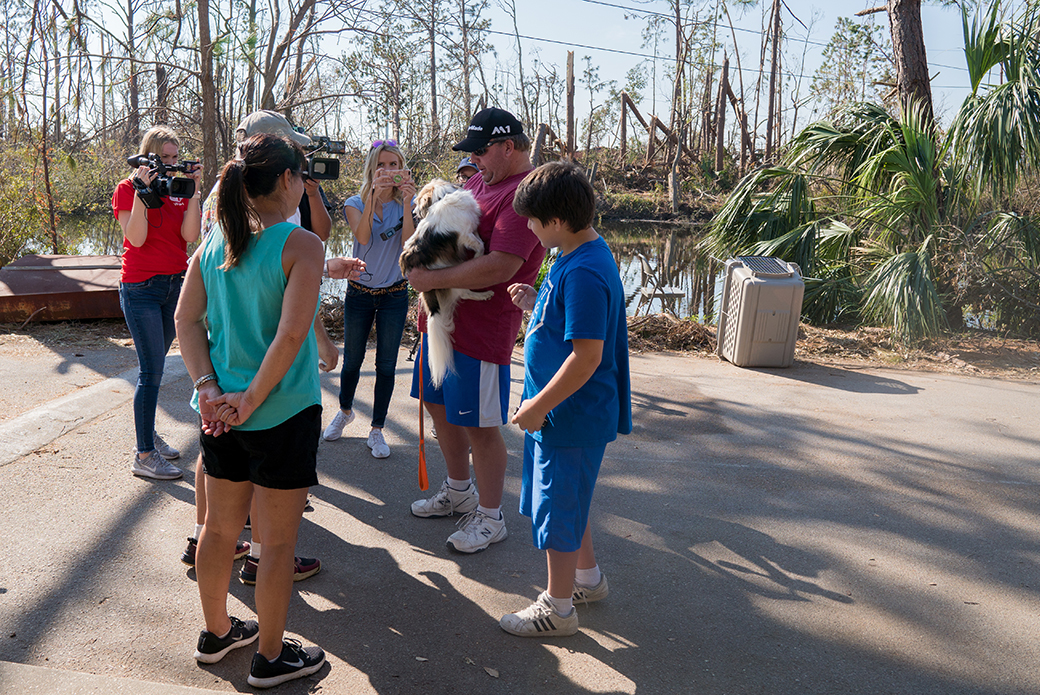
284	457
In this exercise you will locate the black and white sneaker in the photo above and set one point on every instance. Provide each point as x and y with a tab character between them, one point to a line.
295	661
212	649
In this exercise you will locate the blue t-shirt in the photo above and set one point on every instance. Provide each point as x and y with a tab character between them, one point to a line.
581	298
382	253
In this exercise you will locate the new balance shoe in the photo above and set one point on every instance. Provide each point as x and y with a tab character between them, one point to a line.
164	449
304	567
188	556
335	429
155	466
477	531
540	619
377	444
212	649
295	661
591	594
447	502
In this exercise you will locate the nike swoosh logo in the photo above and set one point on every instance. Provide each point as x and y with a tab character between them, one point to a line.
298	664
465	412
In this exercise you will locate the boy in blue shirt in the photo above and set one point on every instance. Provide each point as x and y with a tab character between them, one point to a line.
576	395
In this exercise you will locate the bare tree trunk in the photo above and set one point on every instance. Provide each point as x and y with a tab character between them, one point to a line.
435	124
624	128
251	72
162	87
720	116
904	20
133	120
466	93
677	84
209	100
570	105
770	122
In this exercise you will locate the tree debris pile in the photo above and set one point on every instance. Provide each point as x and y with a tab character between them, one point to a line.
665	332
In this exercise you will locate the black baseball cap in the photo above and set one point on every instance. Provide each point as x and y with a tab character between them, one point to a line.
488	125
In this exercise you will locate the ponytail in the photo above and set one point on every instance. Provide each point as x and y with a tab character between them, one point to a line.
235	214
263	158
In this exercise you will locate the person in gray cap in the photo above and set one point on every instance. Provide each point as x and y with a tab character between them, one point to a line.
473	402
464	171
312	213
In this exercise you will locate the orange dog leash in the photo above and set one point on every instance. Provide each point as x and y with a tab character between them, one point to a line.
424	482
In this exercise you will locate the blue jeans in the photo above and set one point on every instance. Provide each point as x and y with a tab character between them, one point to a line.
148	307
360	310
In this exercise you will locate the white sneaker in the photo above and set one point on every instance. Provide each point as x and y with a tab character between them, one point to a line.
540	620
335	429
477	531
377	444
447	502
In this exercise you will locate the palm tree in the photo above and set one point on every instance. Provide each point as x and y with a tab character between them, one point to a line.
895	224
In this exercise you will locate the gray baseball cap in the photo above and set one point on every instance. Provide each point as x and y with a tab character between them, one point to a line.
270	122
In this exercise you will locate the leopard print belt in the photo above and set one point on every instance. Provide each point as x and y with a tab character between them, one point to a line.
396	287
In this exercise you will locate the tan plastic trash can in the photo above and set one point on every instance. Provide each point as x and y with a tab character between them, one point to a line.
761	309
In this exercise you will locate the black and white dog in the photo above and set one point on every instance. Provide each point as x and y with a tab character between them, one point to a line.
446	236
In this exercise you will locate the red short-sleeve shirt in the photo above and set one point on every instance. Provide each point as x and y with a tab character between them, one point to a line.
164	251
487	329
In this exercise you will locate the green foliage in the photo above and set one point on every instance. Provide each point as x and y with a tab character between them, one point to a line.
854	60
882	214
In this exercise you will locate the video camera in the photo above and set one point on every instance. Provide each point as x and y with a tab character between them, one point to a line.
163	185
324	168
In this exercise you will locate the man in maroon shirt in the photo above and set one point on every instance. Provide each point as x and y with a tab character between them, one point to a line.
472	403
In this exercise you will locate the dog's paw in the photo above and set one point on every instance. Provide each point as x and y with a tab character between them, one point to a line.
478	296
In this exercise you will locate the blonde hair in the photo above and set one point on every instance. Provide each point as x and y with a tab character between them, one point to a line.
156	137
370	170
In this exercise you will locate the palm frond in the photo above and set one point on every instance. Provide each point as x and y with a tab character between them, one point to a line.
831	296
901	293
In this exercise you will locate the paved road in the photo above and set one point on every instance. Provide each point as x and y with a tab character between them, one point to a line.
810	530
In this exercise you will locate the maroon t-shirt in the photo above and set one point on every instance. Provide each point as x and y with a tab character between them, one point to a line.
486	330
164	251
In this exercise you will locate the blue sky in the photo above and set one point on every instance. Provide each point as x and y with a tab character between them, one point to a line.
598	28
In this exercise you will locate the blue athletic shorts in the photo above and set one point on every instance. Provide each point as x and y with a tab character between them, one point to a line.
556	491
475	395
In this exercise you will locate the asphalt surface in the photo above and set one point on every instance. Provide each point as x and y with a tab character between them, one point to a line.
815	529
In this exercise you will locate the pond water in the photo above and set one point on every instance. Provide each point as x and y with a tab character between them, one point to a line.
670	251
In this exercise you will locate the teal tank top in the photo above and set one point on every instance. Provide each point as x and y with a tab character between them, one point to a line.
244	306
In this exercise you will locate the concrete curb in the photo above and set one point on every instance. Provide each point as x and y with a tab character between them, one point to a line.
19	678
29	431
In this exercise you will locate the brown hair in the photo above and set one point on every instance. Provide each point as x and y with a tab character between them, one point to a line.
557	190
262	160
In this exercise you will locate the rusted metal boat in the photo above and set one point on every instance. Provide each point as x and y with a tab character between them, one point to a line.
60	288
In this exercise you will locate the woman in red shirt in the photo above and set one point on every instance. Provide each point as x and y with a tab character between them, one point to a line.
155	243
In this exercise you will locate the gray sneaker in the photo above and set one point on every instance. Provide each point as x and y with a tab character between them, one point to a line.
447	502
164	449
155	466
591	594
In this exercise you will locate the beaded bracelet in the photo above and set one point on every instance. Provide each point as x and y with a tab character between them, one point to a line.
203	379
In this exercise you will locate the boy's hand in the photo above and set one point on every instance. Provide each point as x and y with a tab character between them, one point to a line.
522	295
529	418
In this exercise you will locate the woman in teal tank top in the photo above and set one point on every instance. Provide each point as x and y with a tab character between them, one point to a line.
245	325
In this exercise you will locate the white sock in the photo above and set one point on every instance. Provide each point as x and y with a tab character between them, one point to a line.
459	485
254	550
198	531
562	606
495	513
588	578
